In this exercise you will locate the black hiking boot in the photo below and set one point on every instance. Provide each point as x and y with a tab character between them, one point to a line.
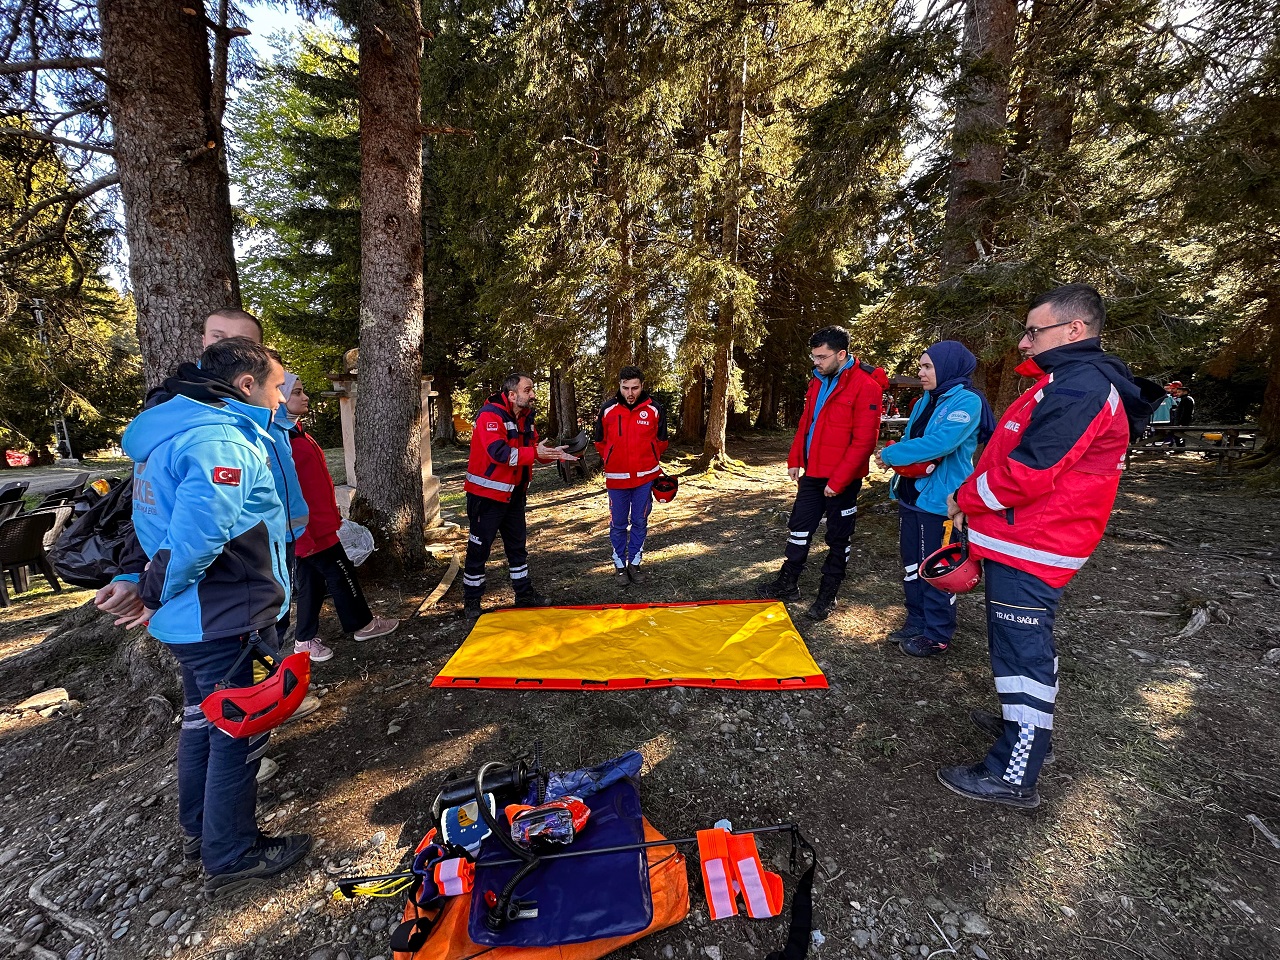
784	587
977	783
638	576
266	858
993	726
471	610
826	601
531	598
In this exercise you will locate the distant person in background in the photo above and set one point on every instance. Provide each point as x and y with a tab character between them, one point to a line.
944	430
322	565
1184	409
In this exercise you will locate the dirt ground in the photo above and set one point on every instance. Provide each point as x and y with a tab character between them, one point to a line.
1143	847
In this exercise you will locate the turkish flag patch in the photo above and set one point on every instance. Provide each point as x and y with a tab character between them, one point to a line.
229	476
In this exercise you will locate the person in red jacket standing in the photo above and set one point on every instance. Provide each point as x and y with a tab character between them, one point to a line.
504	447
321	562
631	436
1035	508
829	457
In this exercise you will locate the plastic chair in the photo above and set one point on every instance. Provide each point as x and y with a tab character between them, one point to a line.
13	491
22	544
10	509
68	491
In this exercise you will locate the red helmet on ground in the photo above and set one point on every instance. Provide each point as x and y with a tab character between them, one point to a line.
249	711
952	568
664	488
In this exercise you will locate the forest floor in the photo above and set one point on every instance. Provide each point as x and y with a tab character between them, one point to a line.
1152	840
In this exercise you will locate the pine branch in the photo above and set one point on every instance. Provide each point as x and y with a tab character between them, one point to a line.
71	199
61	141
61	63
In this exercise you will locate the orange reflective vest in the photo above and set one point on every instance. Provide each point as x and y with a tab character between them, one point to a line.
731	866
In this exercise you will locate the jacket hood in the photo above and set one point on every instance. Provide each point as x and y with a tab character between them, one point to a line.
181	411
1139	395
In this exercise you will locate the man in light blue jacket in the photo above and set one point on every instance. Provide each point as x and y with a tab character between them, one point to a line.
209	518
943	432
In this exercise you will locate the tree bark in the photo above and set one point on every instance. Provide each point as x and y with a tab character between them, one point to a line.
1269	415
714	441
389	409
691	410
171	161
566	402
444	407
979	130
620	318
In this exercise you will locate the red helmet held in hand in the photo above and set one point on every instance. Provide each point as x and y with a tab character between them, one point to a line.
249	711
952	568
914	471
664	488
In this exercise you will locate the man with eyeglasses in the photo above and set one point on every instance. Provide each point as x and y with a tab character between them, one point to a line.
1035	509
829	457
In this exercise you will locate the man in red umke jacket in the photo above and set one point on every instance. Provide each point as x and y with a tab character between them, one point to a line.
1035	509
504	448
829	457
631	436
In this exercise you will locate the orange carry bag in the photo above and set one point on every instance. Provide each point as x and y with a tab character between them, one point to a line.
439	931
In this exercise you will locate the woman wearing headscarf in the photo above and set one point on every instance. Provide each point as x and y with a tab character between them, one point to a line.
944	429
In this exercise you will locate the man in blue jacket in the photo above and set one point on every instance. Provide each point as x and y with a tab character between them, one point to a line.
208	516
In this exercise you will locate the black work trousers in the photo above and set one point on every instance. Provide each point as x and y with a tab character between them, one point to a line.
328	571
811	505
489	519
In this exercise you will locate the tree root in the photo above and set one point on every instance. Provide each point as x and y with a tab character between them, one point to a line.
83	927
31	949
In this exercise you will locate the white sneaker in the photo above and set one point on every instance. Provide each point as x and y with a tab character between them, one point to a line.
267	768
309	705
319	652
378	627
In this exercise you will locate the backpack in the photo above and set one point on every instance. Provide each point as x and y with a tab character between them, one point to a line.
100	544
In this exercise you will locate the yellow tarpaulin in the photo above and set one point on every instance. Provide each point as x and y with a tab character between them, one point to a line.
751	645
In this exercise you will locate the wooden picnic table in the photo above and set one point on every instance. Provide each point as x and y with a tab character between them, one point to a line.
1237	440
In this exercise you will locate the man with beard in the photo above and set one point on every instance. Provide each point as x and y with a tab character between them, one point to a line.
504	447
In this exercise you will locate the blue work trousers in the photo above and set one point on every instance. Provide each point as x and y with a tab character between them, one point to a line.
217	792
629	522
1020	613
931	613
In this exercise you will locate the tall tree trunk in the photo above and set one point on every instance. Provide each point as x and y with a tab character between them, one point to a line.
713	442
1269	415
388	405
766	419
567	406
170	158
979	130
694	400
444	383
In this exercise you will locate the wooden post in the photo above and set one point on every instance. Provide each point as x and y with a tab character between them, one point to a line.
430	482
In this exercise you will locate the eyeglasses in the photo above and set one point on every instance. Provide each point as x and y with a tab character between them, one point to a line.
1032	332
821	358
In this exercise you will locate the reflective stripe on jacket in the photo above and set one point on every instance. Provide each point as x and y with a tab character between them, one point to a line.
630	441
1041	494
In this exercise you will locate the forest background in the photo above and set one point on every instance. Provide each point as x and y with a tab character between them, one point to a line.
566	188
